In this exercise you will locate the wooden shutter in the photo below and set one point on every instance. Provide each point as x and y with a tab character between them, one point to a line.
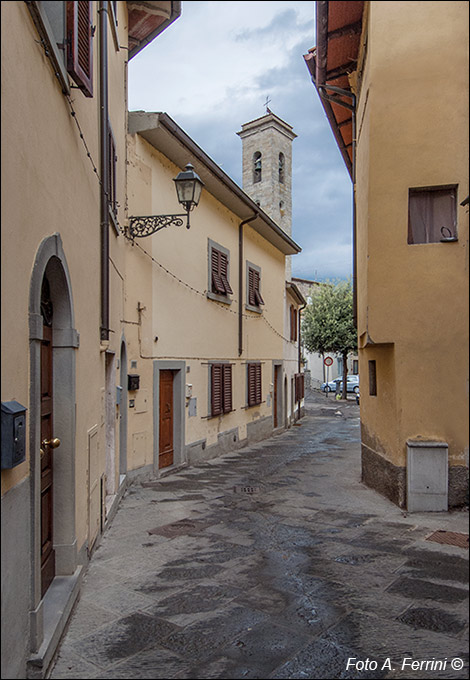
227	388
251	384
216	389
251	287
79	44
112	163
299	386
292	322
258	383
294	329
223	271
217	285
258	299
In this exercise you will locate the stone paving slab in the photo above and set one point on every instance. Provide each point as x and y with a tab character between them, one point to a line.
197	579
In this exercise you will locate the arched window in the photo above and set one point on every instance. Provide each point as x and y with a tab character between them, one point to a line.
281	167
257	167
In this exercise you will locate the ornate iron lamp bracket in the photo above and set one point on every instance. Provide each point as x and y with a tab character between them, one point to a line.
148	225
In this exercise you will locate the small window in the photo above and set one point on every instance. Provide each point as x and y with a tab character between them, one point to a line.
80	45
257	167
355	367
221	389
281	167
372	378
432	214
254	384
254	297
293	324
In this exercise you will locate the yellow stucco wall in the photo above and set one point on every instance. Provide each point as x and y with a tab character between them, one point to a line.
413	132
189	326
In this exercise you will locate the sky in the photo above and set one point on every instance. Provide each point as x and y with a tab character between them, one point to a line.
211	71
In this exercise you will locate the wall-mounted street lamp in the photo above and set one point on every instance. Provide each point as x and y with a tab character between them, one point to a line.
188	188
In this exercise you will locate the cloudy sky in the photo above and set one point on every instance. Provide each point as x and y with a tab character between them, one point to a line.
212	70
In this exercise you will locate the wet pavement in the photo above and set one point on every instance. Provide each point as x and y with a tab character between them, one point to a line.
273	561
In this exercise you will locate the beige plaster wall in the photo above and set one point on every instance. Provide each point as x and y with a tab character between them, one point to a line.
173	288
413	131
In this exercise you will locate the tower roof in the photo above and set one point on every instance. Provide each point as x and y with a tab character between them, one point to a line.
269	120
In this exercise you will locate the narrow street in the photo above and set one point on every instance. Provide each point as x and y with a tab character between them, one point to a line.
272	562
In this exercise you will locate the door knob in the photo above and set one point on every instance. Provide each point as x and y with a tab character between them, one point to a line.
51	443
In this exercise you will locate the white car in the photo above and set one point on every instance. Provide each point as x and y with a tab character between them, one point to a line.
352	384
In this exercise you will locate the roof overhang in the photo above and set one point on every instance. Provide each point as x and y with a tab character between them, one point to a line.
296	294
161	131
332	65
147	20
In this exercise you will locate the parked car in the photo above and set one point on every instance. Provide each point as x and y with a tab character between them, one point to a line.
352	384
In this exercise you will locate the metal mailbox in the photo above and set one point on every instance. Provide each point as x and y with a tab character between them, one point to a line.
13	434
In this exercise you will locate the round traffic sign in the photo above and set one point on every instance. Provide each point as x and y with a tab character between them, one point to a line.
328	361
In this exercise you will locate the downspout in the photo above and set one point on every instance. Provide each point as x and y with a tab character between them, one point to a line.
104	227
299	336
240	281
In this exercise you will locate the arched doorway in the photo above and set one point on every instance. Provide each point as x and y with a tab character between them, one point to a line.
123	413
53	344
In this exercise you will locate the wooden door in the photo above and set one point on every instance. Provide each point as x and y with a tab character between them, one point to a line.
46	452
165	457
276	396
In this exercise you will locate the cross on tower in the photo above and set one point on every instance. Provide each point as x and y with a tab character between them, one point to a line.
268	101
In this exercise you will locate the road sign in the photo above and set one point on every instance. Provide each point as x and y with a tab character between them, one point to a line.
328	361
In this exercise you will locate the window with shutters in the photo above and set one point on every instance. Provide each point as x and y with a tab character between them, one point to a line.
50	21
254	298
220	389
218	285
254	391
80	44
111	189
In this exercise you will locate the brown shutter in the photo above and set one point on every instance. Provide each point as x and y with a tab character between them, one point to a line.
292	322
227	389
223	262
251	384
258	383
251	287
216	389
79	44
112	162
258	299
217	285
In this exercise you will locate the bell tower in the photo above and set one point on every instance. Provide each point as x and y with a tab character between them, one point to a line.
267	168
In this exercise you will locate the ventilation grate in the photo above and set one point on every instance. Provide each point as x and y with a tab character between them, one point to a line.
449	538
247	489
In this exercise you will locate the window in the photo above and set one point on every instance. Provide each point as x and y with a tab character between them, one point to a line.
254	297
299	386
219	287
79	45
293	323
254	384
221	388
281	167
432	214
256	167
66	29
372	378
112	164
355	367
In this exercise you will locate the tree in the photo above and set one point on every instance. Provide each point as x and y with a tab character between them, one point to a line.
328	324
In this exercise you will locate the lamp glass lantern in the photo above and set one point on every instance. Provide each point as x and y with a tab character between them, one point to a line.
188	187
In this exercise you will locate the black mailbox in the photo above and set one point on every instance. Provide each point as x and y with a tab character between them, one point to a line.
13	434
133	381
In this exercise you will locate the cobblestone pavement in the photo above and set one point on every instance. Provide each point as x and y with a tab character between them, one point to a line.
273	561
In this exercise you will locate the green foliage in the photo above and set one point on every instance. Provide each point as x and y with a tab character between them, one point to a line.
328	321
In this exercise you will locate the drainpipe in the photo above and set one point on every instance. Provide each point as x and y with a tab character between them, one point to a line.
240	281
299	336
104	227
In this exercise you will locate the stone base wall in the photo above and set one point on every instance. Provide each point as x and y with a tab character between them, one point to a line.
384	477
390	480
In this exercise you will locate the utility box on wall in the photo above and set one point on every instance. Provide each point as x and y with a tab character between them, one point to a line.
13	434
427	476
133	381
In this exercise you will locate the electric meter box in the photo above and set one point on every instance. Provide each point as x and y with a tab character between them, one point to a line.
13	434
133	381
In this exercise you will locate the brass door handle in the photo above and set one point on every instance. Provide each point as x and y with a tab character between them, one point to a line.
50	443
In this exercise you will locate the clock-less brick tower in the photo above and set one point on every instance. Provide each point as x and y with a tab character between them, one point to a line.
267	168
